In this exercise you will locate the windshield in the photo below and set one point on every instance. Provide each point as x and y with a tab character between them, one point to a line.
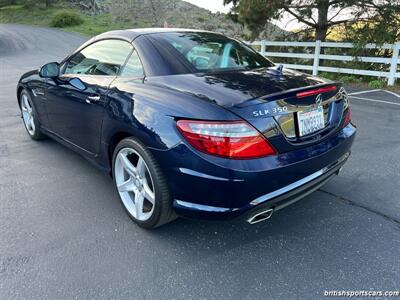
206	52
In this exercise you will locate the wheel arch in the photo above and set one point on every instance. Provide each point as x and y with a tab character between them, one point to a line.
19	91
113	142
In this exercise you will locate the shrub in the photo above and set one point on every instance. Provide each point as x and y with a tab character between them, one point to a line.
377	84
66	18
346	79
331	76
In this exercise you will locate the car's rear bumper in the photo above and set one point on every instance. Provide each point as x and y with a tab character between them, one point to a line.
275	200
224	189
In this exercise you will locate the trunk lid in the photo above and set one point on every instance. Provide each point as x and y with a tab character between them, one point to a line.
267	98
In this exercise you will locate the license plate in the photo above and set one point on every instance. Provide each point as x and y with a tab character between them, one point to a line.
311	121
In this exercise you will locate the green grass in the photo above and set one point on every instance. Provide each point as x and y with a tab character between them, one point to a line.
377	84
41	16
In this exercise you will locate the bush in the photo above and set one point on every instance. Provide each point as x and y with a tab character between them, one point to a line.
377	84
331	76
65	19
346	79
350	79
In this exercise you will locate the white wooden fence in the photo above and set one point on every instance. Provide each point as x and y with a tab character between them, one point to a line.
391	74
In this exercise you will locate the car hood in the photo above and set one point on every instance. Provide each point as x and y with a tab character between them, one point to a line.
229	89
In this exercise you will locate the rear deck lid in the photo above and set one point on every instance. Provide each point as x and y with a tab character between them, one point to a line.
290	108
296	118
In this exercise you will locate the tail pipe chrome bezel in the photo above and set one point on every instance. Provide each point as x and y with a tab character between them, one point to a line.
260	216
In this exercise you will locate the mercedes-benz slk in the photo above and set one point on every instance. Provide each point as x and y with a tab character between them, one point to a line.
191	123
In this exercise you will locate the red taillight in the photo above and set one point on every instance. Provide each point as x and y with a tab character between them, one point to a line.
237	140
316	91
347	118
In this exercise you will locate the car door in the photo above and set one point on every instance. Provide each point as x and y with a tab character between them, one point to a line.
77	99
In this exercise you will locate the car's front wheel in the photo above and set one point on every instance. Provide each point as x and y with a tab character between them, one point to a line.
29	116
141	185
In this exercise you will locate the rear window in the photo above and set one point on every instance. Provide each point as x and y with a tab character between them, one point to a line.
207	52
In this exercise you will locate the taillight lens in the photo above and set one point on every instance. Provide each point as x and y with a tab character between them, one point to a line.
325	89
347	118
237	140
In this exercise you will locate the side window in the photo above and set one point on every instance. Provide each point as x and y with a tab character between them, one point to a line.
101	58
133	67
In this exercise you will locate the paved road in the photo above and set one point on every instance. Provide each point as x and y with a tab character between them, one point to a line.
64	235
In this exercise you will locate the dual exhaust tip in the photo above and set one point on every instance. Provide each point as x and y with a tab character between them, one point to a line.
260	216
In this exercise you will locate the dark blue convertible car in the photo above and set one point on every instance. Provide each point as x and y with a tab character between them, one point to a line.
191	123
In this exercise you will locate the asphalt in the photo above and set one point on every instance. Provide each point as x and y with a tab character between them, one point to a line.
64	234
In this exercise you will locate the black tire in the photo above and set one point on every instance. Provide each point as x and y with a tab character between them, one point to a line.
163	212
37	134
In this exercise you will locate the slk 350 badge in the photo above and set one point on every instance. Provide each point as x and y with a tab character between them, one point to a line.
267	112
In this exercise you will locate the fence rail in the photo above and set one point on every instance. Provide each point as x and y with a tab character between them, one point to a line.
316	56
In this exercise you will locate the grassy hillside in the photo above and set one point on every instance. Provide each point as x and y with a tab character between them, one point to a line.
129	14
39	15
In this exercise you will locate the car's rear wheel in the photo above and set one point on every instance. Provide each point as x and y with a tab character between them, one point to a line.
140	184
29	116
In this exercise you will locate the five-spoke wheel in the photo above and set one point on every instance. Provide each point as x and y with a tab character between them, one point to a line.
134	184
141	185
27	114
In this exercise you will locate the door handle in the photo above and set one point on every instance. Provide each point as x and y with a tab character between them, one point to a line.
93	98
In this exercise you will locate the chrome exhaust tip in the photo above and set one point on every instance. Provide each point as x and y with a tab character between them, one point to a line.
260	216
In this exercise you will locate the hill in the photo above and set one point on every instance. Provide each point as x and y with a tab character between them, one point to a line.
103	15
178	13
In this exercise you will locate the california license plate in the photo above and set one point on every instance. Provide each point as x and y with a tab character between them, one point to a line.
311	121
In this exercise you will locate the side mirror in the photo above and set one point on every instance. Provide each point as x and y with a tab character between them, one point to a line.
50	70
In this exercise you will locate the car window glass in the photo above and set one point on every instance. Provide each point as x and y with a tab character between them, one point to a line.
101	58
208	52
133	67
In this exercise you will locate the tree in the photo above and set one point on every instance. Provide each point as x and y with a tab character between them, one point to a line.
319	16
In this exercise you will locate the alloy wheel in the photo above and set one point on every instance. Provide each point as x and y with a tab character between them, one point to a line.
134	184
27	114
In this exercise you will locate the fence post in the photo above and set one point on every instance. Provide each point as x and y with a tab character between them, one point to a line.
393	64
316	57
263	47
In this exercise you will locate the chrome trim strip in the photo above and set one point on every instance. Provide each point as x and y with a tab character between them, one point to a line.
288	188
305	194
203	207
202	175
266	197
298	183
37	92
